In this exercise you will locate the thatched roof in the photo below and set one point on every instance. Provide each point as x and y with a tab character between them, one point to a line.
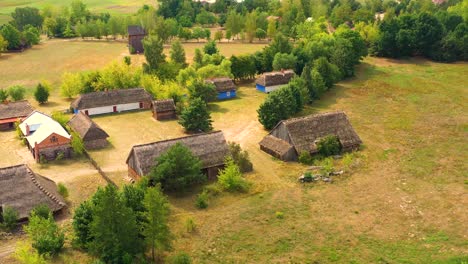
86	128
223	84
276	145
304	131
113	97
275	78
15	109
22	189
211	148
135	30
164	105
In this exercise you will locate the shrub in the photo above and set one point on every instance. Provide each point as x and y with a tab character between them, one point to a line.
348	160
60	156
231	178
305	158
10	218
46	236
329	145
196	117
202	200
60	117
190	225
16	92
25	254
3	95
308	176
127	60
42	210
77	144
180	258
327	166
41	94
279	215
240	157
62	189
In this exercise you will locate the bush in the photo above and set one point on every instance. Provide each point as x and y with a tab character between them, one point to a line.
41	94
202	200
25	254
127	60
329	145
190	225
231	178
62	190
3	95
348	160
42	210
60	156
46	236
10	218
240	157
308	177
305	158
77	144
180	258
60	117
279	215
327	166
16	92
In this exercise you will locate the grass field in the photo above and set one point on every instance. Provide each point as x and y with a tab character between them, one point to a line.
111	6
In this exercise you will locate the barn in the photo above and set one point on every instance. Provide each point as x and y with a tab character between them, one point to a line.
164	109
224	86
291	137
211	148
45	137
10	112
93	136
113	101
23	190
270	81
136	34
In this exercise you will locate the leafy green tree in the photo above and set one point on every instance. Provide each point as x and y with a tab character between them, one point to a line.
198	58
205	18
82	219
185	33
3	95
17	92
23	16
200	89
251	26
218	35
10	218
12	36
177	169
329	72
71	84
154	54
31	36
284	61
79	11
271	30
234	22
228	35
243	67
260	33
41	210
114	228
272	110
178	54
210	48
428	31
196	117
46	236
133	196
240	157
41	94
156	229
3	44
198	33
329	145
230	178
318	86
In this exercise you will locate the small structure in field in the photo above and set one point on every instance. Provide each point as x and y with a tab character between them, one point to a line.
93	136
45	137
22	190
224	86
164	109
10	112
270	81
211	148
113	101
291	137
136	34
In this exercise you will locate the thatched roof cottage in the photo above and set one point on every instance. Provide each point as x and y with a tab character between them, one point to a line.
113	101
270	81
23	190
211	148
164	109
291	137
224	86
92	134
136	34
10	112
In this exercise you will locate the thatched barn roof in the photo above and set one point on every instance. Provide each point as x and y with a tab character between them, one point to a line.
211	148
23	190
113	97
275	78
86	128
15	109
276	145
164	105
135	30
222	84
304	131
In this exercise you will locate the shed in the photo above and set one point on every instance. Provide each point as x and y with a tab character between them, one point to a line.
224	86
10	112
302	134
271	81
93	136
23	190
136	34
211	148
164	109
113	101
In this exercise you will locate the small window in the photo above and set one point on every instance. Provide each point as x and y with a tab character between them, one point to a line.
228	93
53	139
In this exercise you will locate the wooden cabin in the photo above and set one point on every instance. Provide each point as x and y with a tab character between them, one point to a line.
22	190
270	81
93	136
10	112
211	148
164	109
136	34
45	137
224	86
291	137
113	101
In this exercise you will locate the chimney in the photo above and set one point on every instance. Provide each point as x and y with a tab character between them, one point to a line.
28	131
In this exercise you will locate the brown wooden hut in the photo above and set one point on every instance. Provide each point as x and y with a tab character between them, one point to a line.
136	34
211	148
164	109
10	112
23	190
291	137
93	136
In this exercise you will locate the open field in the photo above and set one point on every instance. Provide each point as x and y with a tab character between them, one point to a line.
111	6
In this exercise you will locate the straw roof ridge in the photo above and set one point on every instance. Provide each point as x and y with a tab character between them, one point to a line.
15	109
164	105
112	97
275	78
222	84
86	127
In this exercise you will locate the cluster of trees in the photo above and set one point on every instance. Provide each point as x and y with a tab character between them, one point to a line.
16	92
12	38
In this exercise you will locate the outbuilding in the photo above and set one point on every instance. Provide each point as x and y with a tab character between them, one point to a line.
211	148
93	136
164	109
136	34
11	112
270	81
291	137
113	101
224	86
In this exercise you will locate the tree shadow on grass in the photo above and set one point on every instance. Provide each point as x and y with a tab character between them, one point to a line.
216	108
